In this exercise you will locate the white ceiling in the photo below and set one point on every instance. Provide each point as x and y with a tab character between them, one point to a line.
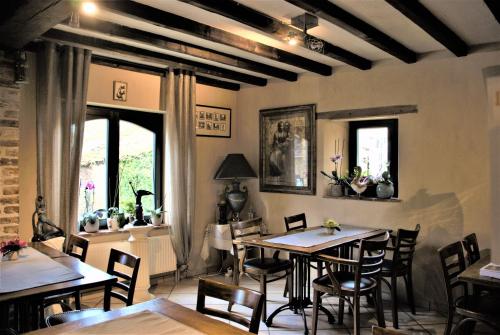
470	19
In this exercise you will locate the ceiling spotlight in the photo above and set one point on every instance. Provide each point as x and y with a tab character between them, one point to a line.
89	8
292	38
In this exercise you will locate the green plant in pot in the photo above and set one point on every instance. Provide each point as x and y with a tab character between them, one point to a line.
116	218
385	187
331	226
157	216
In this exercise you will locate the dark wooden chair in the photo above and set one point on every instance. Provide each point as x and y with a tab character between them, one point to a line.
258	267
384	331
472	248
234	294
127	285
77	247
400	265
81	244
363	280
471	308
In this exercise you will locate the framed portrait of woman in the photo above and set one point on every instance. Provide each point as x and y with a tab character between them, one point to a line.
288	150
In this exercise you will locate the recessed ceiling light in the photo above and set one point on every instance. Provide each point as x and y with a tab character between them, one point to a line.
292	38
89	8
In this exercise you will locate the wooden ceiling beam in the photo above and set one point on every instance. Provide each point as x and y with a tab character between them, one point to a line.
494	6
21	21
422	17
151	56
148	69
359	28
116	30
181	24
280	31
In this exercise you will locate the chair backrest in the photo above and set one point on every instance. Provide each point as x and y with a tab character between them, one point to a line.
129	281
243	229
291	222
234	294
472	248
452	264
406	240
385	331
370	258
369	263
78	242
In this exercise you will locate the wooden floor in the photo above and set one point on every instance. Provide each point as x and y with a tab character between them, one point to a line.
425	322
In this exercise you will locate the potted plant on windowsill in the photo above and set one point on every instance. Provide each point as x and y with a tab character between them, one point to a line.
90	219
337	182
385	187
157	216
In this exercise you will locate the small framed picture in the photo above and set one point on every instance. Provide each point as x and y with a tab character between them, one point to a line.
119	90
217	121
201	125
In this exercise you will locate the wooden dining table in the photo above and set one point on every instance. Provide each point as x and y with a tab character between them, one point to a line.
185	316
471	274
304	244
26	301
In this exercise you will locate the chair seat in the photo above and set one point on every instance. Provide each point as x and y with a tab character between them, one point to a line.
57	319
388	269
258	266
484	307
346	280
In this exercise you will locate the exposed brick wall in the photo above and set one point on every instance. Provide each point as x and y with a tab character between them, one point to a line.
9	150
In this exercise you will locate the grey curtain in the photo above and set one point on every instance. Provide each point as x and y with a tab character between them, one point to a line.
62	77
178	99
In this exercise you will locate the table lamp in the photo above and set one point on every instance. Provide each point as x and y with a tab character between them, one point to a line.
235	167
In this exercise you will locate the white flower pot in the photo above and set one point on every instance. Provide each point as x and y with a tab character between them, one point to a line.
113	224
157	220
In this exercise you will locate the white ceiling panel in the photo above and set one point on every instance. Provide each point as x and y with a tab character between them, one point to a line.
387	19
471	20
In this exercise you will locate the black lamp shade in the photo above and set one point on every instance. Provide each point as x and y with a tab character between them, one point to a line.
235	166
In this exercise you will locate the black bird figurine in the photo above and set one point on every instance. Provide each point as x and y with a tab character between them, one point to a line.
139	214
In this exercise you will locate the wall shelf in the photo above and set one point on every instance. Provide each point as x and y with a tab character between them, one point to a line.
355	198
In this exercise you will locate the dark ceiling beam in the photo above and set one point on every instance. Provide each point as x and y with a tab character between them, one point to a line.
157	71
279	30
494	6
21	21
181	24
422	17
152	56
116	30
359	28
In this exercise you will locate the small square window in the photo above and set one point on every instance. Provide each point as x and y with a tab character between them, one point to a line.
373	145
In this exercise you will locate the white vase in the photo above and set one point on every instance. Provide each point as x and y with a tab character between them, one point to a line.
113	223
90	223
157	220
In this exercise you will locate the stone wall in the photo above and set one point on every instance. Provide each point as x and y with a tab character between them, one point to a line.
9	150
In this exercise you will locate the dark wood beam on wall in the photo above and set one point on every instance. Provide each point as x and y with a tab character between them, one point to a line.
494	6
21	21
116	30
181	24
152	56
422	17
279	30
153	70
345	20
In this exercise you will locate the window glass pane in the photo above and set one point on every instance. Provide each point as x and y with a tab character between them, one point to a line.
136	164
93	166
373	150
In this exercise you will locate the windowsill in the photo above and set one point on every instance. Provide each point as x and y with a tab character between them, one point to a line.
356	198
157	230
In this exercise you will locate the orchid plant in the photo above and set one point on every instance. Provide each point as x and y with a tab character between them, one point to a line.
89	196
335	176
